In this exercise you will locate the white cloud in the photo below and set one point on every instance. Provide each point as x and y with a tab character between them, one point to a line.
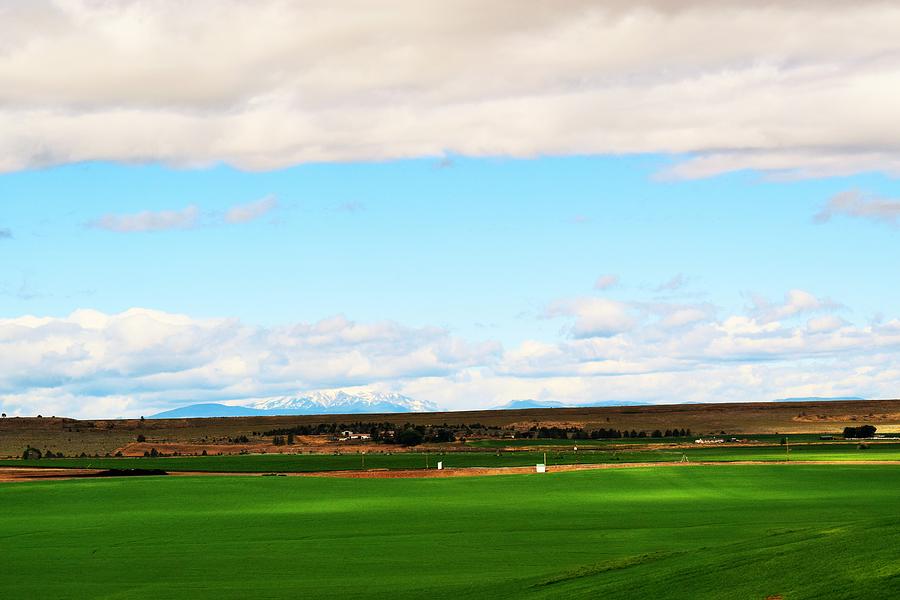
139	361
796	302
267	84
853	203
242	213
605	282
682	316
186	218
149	221
594	317
825	324
672	285
151	357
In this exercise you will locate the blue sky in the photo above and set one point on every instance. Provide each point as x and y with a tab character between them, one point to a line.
510	211
479	247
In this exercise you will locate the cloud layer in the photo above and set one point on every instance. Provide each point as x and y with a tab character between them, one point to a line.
794	88
186	218
140	361
149	220
854	203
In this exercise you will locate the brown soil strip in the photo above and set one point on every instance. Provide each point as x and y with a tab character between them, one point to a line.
8	474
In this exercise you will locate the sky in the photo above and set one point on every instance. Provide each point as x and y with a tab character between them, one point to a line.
465	203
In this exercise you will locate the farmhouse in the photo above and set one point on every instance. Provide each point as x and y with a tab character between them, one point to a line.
350	435
709	441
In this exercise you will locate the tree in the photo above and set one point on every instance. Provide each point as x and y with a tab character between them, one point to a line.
153	453
31	453
864	431
410	437
444	436
141	438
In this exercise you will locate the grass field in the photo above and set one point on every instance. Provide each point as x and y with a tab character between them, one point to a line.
415	460
804	531
526	443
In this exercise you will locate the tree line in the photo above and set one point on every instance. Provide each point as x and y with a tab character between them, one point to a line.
577	433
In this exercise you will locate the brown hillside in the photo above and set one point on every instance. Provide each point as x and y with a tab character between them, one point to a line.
73	436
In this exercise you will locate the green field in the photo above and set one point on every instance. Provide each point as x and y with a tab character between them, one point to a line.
525	443
418	460
802	531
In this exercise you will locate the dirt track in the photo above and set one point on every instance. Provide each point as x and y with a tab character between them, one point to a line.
14	474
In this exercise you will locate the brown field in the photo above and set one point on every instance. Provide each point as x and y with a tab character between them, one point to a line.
192	436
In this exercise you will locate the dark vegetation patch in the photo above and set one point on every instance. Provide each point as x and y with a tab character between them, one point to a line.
129	473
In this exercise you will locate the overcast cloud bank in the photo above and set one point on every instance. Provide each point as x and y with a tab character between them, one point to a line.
796	89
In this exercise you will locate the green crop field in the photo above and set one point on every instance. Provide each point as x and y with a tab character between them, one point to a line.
418	460
801	531
525	443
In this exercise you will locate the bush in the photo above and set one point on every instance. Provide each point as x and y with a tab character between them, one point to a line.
141	438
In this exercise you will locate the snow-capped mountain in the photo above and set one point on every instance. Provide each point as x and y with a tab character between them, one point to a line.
311	403
339	401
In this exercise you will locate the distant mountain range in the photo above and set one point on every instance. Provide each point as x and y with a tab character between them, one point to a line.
341	402
313	403
530	403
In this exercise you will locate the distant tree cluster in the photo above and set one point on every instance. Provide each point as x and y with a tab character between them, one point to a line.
154	453
383	432
577	433
863	431
35	454
31	453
